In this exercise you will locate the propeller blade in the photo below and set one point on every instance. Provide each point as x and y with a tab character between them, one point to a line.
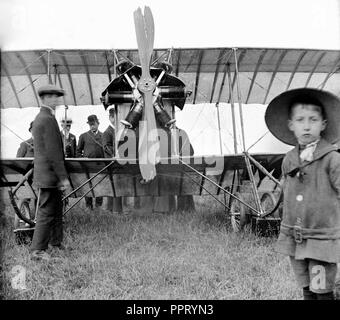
150	29
148	138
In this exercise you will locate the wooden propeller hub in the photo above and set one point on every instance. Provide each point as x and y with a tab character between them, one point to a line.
146	84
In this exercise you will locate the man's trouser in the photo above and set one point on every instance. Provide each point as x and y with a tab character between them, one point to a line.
49	223
185	203
89	204
114	204
164	204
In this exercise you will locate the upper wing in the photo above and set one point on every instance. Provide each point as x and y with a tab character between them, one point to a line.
264	73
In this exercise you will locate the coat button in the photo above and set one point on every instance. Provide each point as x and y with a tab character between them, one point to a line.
299	197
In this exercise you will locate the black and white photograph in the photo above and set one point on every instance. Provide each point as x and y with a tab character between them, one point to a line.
185	153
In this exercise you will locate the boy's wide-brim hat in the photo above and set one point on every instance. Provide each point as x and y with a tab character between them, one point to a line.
276	116
50	89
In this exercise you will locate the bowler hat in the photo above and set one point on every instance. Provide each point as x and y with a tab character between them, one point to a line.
277	113
92	118
30	128
50	89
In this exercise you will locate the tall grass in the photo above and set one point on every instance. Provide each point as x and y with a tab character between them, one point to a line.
142	255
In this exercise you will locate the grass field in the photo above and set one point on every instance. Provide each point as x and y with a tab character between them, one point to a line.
183	255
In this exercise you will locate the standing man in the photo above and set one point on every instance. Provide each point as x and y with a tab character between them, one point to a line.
113	204
69	139
49	175
26	148
185	148
90	146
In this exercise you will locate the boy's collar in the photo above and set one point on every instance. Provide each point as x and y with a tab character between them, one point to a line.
322	148
307	151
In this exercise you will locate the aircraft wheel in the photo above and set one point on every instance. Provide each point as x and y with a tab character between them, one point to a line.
24	207
268	202
238	214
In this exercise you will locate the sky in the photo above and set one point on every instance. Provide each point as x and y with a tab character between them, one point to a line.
108	24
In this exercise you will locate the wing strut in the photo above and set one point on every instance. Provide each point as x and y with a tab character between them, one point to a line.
258	213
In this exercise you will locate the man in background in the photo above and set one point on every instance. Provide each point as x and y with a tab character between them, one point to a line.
90	146
181	143
185	148
26	148
69	139
114	204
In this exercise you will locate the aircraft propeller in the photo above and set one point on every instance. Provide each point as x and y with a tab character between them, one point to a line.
148	138
149	87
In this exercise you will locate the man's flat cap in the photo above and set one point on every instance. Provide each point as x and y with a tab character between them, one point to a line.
50	89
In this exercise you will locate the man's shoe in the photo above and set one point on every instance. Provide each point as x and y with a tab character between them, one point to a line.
57	247
39	255
89	206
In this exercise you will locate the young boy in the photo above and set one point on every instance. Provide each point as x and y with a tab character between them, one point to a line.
310	227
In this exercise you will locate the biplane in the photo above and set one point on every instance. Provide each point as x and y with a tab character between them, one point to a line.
146	86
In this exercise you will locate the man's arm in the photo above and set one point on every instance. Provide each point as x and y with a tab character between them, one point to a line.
80	147
74	146
22	150
107	144
54	148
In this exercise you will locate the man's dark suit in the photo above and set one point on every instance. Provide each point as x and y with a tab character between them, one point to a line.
90	145
26	149
70	145
109	142
49	172
184	148
113	204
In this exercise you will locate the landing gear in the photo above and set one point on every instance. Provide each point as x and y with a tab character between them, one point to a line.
26	211
239	215
24	223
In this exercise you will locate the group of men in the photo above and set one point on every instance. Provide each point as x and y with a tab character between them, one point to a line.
91	144
95	144
50	146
